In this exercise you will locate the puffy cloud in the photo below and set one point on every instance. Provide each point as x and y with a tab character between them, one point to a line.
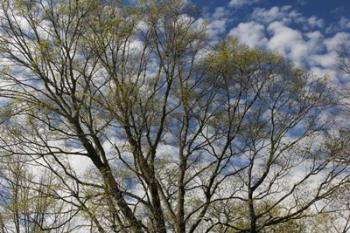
250	33
220	12
339	40
288	42
306	49
287	15
325	60
216	27
240	3
342	25
313	21
283	14
280	38
302	40
305	41
217	23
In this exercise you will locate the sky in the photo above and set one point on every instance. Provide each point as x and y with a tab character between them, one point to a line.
326	9
307	32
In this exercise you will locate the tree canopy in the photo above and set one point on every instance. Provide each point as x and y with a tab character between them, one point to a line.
126	118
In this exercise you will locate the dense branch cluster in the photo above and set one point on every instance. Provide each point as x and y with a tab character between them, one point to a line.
126	118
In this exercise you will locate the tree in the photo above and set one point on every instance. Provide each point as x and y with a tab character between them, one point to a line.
28	203
175	131
339	205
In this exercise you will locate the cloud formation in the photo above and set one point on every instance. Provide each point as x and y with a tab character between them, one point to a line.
251	33
303	40
240	3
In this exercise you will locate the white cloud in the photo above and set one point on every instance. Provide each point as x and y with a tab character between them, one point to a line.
287	15
217	23
219	12
298	38
250	33
284	14
313	21
328	60
288	42
342	25
338	40
239	3
216	27
306	49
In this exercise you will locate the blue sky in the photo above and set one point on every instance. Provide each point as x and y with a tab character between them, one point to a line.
310	33
307	32
329	10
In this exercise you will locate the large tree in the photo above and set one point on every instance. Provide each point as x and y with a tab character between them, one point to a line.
182	135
